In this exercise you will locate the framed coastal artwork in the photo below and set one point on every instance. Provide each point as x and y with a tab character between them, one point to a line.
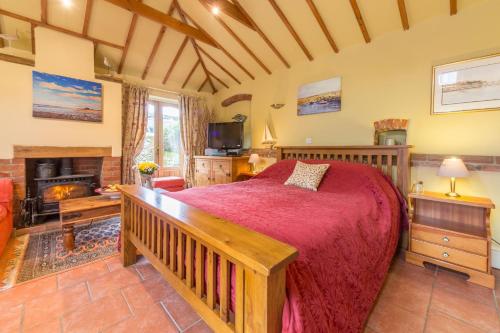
61	97
465	86
319	97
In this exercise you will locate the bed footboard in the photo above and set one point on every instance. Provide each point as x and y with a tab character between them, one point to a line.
198	254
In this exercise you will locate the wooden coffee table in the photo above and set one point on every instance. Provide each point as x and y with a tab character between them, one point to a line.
74	211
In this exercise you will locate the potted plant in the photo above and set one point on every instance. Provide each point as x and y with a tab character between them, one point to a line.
147	169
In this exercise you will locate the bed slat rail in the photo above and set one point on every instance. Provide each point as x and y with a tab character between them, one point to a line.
393	161
198	254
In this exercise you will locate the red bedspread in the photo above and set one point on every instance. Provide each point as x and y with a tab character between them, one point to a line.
346	235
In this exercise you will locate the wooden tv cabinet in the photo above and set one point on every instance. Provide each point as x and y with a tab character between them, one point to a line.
212	170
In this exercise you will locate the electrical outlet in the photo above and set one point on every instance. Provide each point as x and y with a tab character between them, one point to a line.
309	141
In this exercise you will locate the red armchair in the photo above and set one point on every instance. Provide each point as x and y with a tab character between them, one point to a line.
6	219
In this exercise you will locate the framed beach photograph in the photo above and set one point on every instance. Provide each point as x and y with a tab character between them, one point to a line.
319	97
61	97
465	86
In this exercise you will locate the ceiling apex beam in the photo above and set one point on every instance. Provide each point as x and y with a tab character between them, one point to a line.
403	14
150	13
322	25
231	10
44	11
220	47
361	22
86	20
157	43
238	39
292	31
453	7
262	35
195	46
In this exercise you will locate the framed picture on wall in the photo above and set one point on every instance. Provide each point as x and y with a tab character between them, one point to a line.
61	97
465	86
319	97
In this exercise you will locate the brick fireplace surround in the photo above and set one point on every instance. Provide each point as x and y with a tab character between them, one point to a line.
87	159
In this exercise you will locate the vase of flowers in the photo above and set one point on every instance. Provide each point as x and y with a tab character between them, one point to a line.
147	169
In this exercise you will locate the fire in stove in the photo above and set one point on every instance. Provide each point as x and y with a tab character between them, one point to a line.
63	192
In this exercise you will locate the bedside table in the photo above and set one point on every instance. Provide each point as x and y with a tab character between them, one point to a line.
452	233
246	175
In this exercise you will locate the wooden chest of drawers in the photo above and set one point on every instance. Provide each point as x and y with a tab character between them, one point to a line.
453	233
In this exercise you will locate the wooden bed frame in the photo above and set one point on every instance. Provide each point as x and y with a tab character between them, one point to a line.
168	233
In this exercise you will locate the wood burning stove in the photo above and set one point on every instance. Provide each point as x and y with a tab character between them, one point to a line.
50	181
50	191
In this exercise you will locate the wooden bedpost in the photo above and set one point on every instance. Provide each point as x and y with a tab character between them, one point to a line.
404	170
128	250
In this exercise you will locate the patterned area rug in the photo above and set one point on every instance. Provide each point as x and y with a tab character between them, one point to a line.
11	260
46	253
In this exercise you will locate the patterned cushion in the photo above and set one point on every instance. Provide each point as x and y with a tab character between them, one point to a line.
307	176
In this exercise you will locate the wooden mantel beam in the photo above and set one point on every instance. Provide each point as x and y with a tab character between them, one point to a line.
59	29
231	10
361	22
148	12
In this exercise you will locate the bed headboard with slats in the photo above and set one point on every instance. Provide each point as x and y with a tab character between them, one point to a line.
393	161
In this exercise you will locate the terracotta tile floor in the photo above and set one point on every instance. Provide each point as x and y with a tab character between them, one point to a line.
105	297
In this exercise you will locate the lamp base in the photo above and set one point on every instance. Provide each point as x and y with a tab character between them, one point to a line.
453	194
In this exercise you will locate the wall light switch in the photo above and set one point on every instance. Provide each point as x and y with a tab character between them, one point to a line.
309	141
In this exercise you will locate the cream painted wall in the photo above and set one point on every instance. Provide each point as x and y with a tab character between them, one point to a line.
391	78
60	54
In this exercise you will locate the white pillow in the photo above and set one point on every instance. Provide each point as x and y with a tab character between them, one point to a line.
307	176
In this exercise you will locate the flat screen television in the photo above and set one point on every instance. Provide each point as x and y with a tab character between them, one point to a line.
225	135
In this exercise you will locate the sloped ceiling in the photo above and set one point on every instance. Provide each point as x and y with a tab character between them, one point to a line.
252	56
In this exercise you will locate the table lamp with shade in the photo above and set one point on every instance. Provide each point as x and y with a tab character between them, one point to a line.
253	160
453	168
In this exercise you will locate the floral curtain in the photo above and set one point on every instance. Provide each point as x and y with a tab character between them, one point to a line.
134	120
194	119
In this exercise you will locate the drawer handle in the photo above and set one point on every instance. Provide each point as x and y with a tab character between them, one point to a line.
446	239
446	254
220	166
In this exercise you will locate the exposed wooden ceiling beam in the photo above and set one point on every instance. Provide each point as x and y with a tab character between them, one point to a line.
238	39
191	73
361	22
262	34
322	25
403	14
219	65
453	7
220	47
33	43
231	10
148	12
59	29
285	21
195	46
130	34
218	79
203	84
88	13
176	59
157	43
44	10
2	44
